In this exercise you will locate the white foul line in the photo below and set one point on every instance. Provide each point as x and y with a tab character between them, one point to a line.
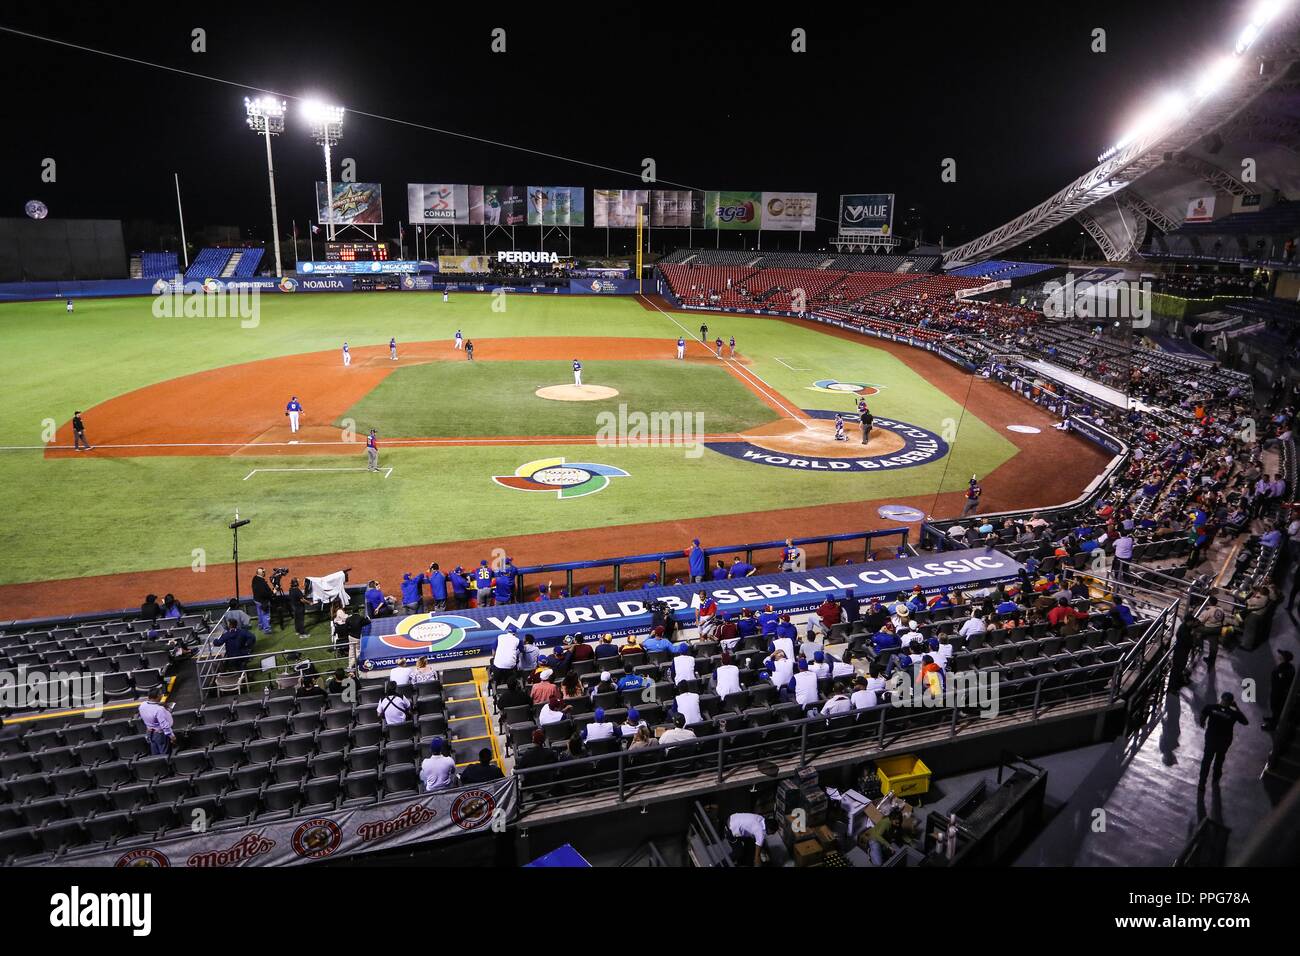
386	471
791	367
766	389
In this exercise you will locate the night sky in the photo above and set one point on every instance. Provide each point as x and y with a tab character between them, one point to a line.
1012	92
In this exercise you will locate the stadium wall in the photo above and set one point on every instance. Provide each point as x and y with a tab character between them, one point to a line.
32	250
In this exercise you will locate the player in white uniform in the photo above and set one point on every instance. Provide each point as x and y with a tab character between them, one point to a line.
392	348
681	347
577	372
293	410
839	428
347	355
460	339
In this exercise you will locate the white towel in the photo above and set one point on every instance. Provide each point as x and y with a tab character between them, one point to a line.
326	589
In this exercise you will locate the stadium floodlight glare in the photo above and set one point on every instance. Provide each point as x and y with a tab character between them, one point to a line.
1217	74
326	128
266	118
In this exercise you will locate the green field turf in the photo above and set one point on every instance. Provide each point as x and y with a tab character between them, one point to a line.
71	517
430	400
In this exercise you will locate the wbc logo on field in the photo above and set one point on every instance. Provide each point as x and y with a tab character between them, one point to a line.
564	479
851	388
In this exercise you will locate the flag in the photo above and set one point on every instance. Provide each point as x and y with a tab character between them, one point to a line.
315	229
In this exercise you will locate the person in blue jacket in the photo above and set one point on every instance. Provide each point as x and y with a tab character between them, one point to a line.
437	588
412	592
740	568
459	586
885	640
785	629
767	621
699	562
719	571
503	590
483	575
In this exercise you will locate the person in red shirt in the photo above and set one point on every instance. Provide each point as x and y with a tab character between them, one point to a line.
582	651
828	614
1064	612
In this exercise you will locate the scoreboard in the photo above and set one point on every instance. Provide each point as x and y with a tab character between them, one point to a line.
356	251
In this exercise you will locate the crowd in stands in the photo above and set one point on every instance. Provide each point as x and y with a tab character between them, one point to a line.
1206	285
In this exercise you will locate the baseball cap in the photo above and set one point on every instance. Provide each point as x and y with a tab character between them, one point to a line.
604	675
547	674
600	714
632	715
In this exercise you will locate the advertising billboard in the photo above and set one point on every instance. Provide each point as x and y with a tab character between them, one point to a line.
733	210
616	208
790	212
867	214
677	209
505	205
1200	209
464	264
444	204
557	206
355	204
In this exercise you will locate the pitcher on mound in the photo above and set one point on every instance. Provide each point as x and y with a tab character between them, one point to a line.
577	372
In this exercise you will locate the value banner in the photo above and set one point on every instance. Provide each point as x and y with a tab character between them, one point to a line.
867	214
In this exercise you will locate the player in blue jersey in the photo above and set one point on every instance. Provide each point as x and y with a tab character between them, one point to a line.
347	355
681	347
392	348
732	342
293	410
460	339
577	372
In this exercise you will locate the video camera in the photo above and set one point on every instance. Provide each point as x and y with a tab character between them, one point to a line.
277	575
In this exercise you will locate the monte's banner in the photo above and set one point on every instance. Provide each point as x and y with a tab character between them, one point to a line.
355	204
505	205
735	211
473	632
867	214
474	264
557	206
676	209
790	212
307	838
616	208
444	204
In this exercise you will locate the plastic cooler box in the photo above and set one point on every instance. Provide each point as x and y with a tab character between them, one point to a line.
906	775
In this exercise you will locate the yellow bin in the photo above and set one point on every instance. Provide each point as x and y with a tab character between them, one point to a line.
906	775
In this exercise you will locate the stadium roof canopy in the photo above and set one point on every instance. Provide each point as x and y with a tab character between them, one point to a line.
1245	106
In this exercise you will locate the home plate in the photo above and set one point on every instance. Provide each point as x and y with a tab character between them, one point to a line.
1024	429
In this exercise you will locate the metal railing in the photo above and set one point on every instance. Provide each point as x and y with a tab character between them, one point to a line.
211	664
718	755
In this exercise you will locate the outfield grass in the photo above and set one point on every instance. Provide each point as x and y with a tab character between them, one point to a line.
454	399
71	517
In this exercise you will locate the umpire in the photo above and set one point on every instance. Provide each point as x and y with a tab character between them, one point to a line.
868	420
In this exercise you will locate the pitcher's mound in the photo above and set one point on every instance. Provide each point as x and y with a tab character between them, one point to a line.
576	393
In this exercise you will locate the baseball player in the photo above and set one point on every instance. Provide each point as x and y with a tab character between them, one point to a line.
839	428
347	355
444	293
732	342
69	307
862	405
392	348
577	372
293	410
372	452
972	497
460	339
717	347
681	347
469	349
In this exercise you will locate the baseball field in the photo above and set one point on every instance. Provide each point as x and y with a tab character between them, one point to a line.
187	421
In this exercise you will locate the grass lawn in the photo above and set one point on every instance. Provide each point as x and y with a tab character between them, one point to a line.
452	399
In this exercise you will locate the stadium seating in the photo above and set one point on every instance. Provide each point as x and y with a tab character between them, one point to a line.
208	264
158	265
1001	269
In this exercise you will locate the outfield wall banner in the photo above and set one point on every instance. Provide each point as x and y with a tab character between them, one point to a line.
473	632
733	210
557	206
505	205
867	214
789	212
307	839
1200	209
676	209
464	264
355	204
417	283
603	286
316	284
616	208
441	204
385	267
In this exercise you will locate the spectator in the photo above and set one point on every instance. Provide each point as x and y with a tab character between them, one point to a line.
423	673
485	771
309	689
438	771
544	690
679	734
599	728
553	712
606	648
643	738
158	727
150	610
538	755
392	707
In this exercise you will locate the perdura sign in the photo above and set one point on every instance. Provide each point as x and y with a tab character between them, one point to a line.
472	632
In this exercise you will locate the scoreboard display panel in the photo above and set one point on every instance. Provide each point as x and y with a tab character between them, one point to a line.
356	251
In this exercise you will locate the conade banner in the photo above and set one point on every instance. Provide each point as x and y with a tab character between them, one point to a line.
308	838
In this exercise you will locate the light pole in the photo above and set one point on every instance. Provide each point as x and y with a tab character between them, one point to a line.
266	117
326	128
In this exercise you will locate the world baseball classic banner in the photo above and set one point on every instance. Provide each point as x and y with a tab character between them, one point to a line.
451	635
309	838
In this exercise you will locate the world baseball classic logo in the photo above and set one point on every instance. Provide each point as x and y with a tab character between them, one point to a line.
563	479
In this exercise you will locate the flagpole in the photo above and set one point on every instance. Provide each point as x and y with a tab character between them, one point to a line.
296	255
181	213
311	241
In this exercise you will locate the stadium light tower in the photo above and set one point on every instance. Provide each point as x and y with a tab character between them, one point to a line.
266	117
326	128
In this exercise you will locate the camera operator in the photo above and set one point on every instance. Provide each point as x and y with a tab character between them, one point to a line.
279	600
262	599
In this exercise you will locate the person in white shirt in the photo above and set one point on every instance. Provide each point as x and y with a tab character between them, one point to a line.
785	646
781	667
600	728
393	708
975	625
552	713
841	668
726	678
401	674
679	734
805	686
837	703
746	832
438	770
683	664
819	665
506	657
688	706
630	726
